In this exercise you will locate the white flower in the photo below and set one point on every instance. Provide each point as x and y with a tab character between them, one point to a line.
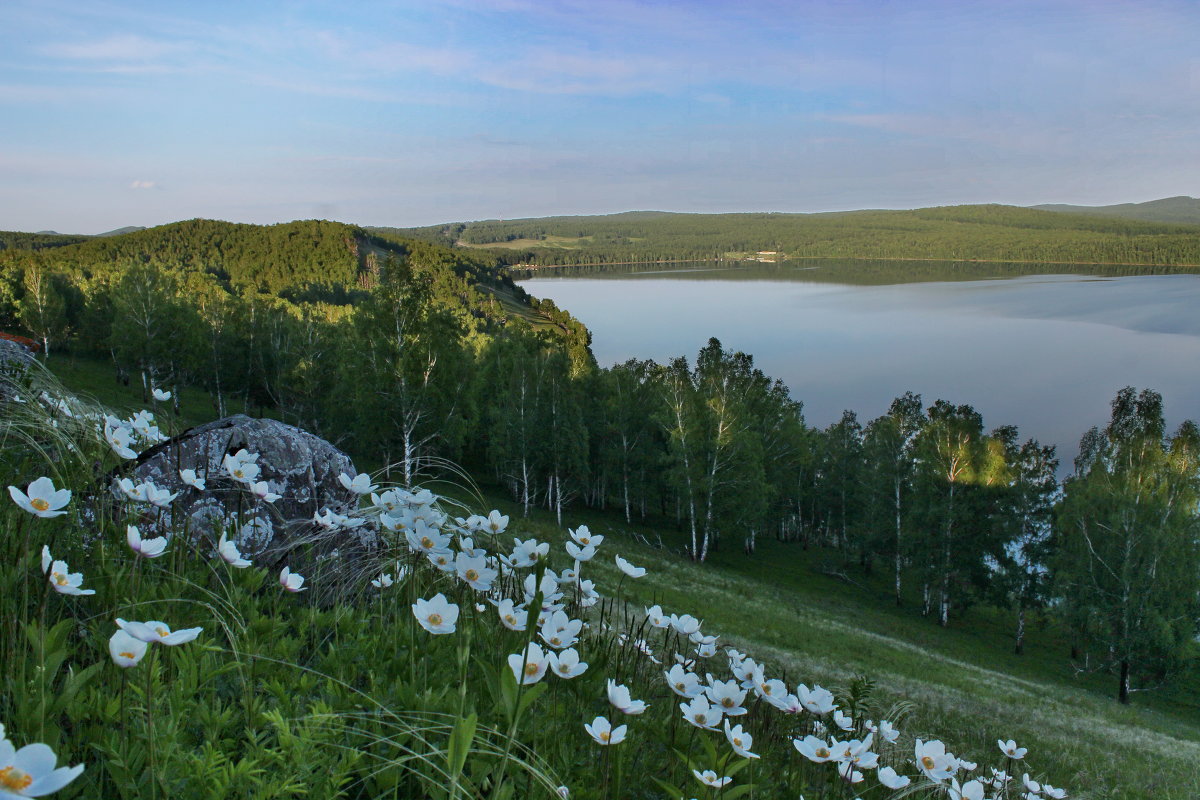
161	396
701	713
934	761
728	696
817	700
684	683
618	695
814	749
889	778
566	664
188	476
384	581
230	553
1010	749
656	618
158	497
156	631
685	625
559	630
145	548
710	778
360	484
530	665
120	440
475	572
584	537
291	581
971	790
242	466
126	651
437	614
526	553
1053	792
843	721
604	733
511	617
849	773
62	579
630	569
495	522
739	740
888	731
262	491
41	499
30	772
581	553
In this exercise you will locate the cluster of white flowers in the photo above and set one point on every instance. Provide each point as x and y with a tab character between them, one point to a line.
123	434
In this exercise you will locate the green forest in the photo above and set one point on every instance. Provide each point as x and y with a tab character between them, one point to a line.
956	233
413	355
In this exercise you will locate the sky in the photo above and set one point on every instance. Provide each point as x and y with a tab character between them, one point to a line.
414	113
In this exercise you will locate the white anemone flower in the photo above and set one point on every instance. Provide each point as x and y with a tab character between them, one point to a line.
618	695
134	492
291	581
699	712
581	554
495	522
843	721
814	749
604	733
160	395
230	554
530	665
684	625
888	731
566	664
710	778
144	548
656	618
583	537
559	630
513	618
384	581
475	572
41	499
126	651
30	771
1053	792
189	478
683	683
934	761
160	498
120	440
630	569
971	790
817	700
242	466
62	579
728	696
1010	749
849	773
889	778
157	631
526	553
360	484
262	490
437	614
740	741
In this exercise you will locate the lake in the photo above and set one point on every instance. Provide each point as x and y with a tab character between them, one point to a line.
1044	352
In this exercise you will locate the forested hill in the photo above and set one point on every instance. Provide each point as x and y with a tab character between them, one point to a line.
16	240
976	232
1181	209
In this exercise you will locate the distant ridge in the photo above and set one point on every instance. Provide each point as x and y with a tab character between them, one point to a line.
121	231
1182	209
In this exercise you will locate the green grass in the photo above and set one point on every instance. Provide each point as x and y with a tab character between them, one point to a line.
560	242
965	684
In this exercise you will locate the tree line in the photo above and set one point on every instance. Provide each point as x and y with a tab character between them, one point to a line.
431	361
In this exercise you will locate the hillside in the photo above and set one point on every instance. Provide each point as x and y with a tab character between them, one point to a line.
981	232
1182	209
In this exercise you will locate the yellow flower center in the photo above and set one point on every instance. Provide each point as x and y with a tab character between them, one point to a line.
680	686
927	762
604	737
126	655
563	668
700	719
510	619
727	702
765	688
163	633
14	779
531	669
60	579
554	640
426	542
237	473
39	504
472	575
822	752
434	619
737	742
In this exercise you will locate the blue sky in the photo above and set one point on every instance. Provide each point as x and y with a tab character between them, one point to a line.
399	113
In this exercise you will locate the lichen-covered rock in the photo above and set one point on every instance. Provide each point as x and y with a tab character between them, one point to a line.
300	467
14	361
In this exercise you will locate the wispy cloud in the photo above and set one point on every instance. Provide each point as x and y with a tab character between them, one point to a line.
120	47
143	185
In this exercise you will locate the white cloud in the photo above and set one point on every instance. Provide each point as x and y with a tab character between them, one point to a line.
122	47
142	185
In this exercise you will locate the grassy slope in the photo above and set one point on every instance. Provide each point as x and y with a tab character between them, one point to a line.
967	686
1169	209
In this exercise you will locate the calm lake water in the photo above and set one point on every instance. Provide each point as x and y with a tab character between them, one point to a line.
1045	352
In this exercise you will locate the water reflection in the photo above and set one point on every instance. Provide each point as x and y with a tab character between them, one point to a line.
1044	352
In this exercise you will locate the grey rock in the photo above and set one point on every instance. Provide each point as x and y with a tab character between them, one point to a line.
301	467
14	361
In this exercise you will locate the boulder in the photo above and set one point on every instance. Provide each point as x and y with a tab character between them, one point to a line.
295	464
14	361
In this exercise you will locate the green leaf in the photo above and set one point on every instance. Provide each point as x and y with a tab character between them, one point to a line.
461	739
